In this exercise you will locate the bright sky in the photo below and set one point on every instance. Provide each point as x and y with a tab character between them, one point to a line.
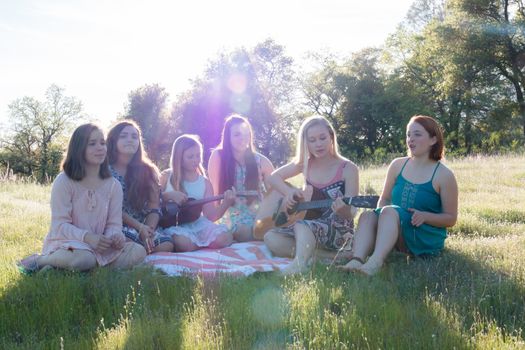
101	50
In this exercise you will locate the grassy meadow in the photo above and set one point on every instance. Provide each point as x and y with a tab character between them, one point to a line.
472	296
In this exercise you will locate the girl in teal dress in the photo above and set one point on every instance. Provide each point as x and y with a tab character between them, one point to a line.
419	201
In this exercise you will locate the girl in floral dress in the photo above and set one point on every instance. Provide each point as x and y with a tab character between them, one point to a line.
234	164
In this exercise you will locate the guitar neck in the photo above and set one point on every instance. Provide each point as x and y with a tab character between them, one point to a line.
218	198
357	201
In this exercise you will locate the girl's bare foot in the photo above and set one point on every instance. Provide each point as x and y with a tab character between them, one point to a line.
294	268
371	267
354	264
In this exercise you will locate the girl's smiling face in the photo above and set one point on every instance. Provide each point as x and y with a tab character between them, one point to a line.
96	149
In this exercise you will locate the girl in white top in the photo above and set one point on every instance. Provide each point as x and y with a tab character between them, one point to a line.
185	179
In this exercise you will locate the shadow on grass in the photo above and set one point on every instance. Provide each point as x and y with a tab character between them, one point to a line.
65	309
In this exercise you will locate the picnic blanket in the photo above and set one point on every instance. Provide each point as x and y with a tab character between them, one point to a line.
239	259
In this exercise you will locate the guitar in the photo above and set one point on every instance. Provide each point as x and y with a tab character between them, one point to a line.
282	216
174	214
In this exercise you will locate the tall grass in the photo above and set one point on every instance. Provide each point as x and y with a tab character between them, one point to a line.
472	296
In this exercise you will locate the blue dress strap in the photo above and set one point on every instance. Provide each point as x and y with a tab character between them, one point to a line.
435	169
406	161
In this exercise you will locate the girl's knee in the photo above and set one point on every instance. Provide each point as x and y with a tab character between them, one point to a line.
389	213
271	237
223	240
183	244
137	254
164	247
367	217
82	261
302	229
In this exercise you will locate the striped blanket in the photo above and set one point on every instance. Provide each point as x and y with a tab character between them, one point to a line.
239	259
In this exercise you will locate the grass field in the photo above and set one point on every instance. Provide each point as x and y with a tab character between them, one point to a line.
473	296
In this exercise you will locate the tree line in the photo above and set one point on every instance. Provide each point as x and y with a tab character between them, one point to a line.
461	61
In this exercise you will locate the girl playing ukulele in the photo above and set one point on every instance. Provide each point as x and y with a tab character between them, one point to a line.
236	164
185	179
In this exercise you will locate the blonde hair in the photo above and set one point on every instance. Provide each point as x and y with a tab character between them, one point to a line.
302	155
180	145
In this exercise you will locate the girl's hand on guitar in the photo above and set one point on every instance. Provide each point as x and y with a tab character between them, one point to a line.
294	195
230	196
176	196
338	205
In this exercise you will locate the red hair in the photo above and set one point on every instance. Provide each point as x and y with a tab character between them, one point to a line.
437	151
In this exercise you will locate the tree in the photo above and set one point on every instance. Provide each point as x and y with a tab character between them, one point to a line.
147	106
257	83
34	142
500	44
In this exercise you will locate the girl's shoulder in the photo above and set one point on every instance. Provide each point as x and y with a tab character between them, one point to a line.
398	163
349	168
444	172
62	180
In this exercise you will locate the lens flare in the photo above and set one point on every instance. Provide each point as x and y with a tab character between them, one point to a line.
237	83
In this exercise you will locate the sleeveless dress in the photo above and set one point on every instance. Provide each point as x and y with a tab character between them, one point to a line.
425	239
202	232
328	228
244	210
130	232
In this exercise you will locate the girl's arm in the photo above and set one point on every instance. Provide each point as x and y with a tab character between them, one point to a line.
176	196
211	210
153	206
277	177
214	170
351	178
266	170
390	180
114	221
61	211
448	191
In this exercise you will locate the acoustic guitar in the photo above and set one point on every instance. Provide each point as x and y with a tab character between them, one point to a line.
174	214
273	212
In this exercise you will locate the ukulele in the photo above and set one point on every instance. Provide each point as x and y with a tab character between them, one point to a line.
174	214
281	216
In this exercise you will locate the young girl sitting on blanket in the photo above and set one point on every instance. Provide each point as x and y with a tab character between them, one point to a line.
139	178
86	212
185	179
419	200
330	175
236	164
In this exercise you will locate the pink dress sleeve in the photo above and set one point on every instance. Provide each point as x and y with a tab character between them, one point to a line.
114	222
61	211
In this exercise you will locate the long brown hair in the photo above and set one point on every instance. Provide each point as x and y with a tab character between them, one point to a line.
180	145
437	151
227	170
142	176
74	164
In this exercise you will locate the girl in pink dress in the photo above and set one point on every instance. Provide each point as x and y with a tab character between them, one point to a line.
86	212
185	179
